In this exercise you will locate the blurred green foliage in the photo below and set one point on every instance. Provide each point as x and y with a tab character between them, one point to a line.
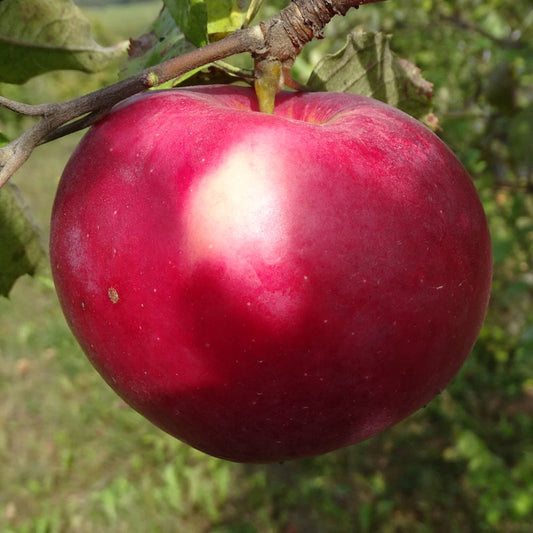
76	460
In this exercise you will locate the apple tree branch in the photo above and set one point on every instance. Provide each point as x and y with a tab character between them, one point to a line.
274	42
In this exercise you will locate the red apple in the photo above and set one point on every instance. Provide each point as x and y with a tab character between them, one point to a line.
269	287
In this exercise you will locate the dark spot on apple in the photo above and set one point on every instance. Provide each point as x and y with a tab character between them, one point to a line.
113	294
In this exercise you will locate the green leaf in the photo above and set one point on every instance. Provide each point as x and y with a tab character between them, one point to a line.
21	246
37	36
3	139
367	66
216	73
191	18
202	21
520	135
163	41
225	16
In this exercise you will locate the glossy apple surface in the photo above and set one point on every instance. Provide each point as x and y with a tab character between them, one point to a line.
269	287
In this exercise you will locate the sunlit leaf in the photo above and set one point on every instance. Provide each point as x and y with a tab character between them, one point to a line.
367	66
37	36
21	247
191	18
202	21
225	16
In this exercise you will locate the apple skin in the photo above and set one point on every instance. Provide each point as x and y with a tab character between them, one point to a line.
265	287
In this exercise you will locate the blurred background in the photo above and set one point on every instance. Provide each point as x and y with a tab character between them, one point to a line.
76	459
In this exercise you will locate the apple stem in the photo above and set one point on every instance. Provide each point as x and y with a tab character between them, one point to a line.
268	82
